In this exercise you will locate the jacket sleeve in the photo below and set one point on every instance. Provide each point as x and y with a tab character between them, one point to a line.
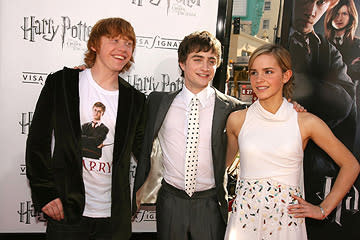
140	128
335	96
143	164
38	148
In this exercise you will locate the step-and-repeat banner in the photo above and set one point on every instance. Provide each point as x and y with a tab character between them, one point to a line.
40	37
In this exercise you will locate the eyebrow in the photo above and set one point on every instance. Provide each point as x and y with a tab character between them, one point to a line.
200	56
266	68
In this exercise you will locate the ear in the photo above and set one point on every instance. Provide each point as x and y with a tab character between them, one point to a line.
182	65
92	48
286	76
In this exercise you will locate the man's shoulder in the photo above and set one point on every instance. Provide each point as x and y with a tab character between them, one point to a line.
66	72
227	98
356	42
65	77
129	87
156	96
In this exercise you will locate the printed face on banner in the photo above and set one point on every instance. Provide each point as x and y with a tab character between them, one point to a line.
113	53
199	69
306	13
341	19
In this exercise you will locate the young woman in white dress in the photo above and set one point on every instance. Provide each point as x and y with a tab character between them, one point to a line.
270	137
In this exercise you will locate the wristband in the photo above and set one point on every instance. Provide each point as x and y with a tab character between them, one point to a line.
322	211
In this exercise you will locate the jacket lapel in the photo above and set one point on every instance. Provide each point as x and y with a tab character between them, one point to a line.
71	93
219	121
164	106
123	120
220	109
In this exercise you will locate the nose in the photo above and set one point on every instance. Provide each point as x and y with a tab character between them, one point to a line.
311	8
206	66
121	45
258	77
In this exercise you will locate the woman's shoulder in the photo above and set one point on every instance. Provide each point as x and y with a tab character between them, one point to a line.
238	113
309	121
237	118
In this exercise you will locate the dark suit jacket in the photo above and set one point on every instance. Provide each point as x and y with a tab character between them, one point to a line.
60	174
323	87
158	106
349	51
91	138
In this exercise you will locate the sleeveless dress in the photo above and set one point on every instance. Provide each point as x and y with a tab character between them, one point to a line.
270	170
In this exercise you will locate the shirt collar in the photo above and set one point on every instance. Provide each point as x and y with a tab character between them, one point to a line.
312	33
341	39
203	96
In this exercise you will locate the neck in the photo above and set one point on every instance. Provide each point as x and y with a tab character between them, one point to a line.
306	31
271	105
106	79
339	33
192	89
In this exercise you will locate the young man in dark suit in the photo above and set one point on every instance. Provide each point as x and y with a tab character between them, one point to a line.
82	198
192	201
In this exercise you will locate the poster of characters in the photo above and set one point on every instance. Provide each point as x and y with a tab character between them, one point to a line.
323	39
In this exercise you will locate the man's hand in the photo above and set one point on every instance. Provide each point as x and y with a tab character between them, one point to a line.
54	209
297	106
81	67
138	203
355	60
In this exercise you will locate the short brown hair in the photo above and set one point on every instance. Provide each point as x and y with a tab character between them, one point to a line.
331	15
100	105
283	58
109	27
199	42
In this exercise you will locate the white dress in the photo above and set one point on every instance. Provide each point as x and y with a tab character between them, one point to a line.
271	156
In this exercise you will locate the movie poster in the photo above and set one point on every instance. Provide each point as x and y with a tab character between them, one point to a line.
323	39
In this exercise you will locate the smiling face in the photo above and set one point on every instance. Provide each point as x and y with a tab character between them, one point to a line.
267	78
98	112
199	69
307	12
341	19
113	53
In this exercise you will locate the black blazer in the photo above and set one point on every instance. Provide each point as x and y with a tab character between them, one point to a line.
60	174
158	106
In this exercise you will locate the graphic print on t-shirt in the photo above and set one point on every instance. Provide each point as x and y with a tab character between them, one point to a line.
94	133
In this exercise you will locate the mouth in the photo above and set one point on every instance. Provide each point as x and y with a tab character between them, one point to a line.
261	88
203	75
308	21
119	57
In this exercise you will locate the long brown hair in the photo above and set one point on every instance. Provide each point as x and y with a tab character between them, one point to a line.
331	15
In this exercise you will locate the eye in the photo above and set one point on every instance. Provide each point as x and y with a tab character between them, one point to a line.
252	73
213	62
129	43
320	2
268	72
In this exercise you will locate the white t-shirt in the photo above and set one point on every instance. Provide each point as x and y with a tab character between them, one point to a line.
97	141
